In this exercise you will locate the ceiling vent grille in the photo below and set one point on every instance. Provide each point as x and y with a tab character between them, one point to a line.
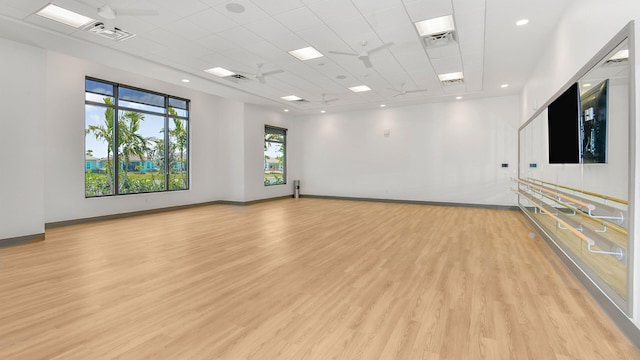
452	82
441	39
115	33
237	78
614	62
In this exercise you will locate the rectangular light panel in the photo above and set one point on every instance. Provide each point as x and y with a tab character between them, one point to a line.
360	88
437	25
220	72
450	76
291	98
307	53
622	54
64	16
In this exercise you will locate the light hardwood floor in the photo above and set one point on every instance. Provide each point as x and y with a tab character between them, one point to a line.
299	279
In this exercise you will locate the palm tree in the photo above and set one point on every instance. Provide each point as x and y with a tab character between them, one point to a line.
130	142
104	132
179	140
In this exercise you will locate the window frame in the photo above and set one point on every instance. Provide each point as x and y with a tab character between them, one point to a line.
118	109
279	131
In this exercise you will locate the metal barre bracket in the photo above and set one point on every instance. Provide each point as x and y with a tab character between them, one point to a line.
619	254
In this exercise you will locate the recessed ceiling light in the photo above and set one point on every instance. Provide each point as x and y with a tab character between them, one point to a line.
437	25
504	86
622	54
458	97
291	98
522	22
307	53
322	111
359	88
235	8
220	72
186	80
383	105
586	85
450	76
286	110
62	15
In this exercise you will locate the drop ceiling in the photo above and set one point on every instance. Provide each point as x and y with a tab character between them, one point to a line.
186	37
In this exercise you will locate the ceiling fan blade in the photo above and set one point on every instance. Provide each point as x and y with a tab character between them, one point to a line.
381	47
261	79
342	53
398	94
366	61
416	91
136	12
272	72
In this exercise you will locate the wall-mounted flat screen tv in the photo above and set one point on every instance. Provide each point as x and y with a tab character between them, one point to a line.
593	104
564	128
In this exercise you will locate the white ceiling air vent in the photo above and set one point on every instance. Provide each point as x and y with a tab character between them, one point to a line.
110	33
441	39
237	78
452	82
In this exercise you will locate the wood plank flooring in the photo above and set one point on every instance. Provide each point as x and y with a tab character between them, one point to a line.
299	279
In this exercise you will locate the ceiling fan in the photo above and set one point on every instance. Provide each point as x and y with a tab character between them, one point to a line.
364	54
260	75
402	91
106	12
326	101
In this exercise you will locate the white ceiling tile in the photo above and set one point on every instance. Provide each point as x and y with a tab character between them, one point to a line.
368	6
354	31
289	42
428	9
212	21
268	28
186	29
251	13
217	43
299	19
274	7
168	12
241	37
438	52
447	65
332	10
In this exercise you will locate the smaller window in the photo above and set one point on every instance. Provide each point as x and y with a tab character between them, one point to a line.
275	156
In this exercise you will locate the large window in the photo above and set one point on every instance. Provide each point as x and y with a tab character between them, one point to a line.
126	130
275	159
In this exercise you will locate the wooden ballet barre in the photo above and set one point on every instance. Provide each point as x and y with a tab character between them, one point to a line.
588	206
619	254
605	224
586	192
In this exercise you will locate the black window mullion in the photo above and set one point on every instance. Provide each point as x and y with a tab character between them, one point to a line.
167	171
116	140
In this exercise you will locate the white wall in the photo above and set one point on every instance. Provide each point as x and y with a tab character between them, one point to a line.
584	29
256	118
64	181
22	97
444	152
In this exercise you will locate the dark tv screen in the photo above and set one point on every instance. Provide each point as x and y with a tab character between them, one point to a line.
564	127
593	106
